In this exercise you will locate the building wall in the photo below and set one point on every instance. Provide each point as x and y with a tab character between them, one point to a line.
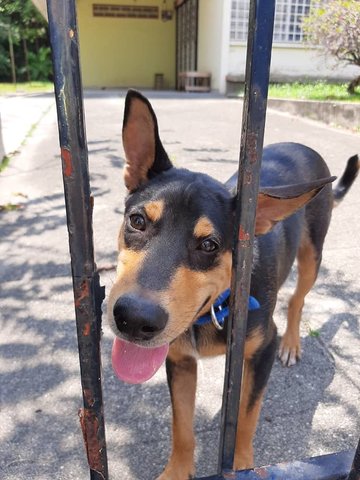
125	52
209	39
292	62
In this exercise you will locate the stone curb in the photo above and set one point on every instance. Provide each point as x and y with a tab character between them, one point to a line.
343	114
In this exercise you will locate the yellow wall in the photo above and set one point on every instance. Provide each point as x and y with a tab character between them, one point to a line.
125	52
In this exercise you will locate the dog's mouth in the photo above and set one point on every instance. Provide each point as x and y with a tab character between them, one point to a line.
135	364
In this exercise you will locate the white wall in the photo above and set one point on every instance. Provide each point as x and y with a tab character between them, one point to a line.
213	40
292	63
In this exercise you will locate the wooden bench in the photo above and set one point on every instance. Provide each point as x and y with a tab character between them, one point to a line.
192	81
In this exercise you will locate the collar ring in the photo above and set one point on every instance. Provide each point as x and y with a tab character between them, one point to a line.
214	319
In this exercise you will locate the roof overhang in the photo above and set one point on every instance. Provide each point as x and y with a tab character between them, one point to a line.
41	6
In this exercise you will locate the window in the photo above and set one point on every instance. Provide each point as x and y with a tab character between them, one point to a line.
287	24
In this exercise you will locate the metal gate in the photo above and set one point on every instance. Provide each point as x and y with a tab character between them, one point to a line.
88	294
186	36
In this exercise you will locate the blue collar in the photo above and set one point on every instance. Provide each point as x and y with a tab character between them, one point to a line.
221	309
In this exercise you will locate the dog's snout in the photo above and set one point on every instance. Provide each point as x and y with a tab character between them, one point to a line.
139	318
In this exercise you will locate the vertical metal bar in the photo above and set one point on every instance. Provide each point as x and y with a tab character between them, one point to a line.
355	468
88	294
261	19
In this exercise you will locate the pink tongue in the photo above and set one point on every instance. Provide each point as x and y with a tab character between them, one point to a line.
134	364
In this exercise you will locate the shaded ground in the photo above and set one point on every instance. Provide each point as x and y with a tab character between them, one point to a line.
309	409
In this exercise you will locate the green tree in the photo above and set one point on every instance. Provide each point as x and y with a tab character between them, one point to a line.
334	25
24	27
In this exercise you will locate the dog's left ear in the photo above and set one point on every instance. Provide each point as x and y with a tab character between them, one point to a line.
277	203
144	152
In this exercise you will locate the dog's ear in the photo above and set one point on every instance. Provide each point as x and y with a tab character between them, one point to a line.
276	203
144	152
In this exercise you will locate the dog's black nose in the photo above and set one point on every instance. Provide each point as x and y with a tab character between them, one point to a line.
139	318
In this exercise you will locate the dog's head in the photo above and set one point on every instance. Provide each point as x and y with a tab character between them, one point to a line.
174	246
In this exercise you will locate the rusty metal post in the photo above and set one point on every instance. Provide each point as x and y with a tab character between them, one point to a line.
261	19
88	294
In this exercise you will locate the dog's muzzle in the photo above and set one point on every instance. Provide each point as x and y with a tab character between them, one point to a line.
139	319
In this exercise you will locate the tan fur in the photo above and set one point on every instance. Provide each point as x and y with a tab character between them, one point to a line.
210	345
139	144
187	292
247	421
271	210
182	299
254	342
203	228
154	210
290	347
183	383
129	263
181	347
183	386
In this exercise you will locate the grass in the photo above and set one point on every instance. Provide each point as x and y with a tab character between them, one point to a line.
10	207
296	90
314	333
27	87
4	162
313	91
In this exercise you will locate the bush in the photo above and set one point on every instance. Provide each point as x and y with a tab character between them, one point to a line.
29	37
334	26
40	64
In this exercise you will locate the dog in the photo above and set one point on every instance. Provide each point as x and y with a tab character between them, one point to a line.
175	259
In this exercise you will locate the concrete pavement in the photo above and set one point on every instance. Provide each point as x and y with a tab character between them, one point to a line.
309	409
23	111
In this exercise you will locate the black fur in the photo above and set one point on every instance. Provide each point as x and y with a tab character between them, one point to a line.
298	222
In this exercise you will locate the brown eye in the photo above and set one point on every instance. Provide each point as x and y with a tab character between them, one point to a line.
209	246
137	221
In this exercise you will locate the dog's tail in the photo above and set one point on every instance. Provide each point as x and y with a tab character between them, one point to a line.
347	179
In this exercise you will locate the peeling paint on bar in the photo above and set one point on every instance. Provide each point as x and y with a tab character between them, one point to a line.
90	428
82	292
243	236
67	161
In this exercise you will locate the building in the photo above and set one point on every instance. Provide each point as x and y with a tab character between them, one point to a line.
146	43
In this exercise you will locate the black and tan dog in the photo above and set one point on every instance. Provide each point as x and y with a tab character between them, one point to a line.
175	260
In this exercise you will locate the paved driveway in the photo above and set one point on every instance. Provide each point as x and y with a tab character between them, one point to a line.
309	409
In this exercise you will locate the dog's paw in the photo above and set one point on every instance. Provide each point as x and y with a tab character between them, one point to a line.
178	472
164	476
289	350
244	461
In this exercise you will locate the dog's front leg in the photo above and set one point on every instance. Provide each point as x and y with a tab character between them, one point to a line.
181	374
247	421
257	368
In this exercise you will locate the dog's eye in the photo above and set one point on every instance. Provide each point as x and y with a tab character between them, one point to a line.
137	221
208	246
